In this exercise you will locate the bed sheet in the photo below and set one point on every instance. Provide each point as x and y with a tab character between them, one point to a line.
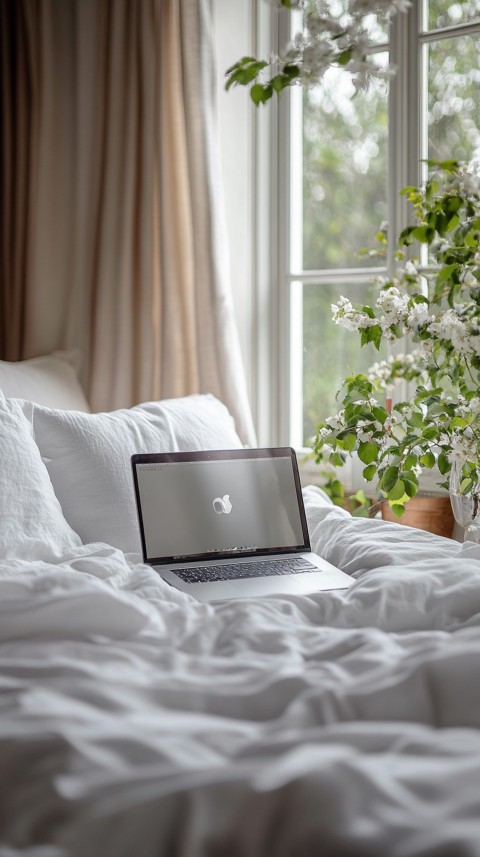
136	721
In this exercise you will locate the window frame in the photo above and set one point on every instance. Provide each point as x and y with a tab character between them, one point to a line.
276	343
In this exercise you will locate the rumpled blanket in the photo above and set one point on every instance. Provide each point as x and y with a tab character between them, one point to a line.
135	721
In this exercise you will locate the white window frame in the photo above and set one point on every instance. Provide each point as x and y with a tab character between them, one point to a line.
276	340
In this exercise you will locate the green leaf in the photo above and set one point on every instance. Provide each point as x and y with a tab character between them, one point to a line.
367	452
244	71
448	166
389	478
420	299
279	82
397	509
416	420
406	236
380	414
240	63
431	189
335	491
443	464
441	223
345	57
446	273
349	441
397	492
371	334
369	472
410	461
452	204
453	222
411	489
291	70
427	459
377	336
260	93
424	234
458	422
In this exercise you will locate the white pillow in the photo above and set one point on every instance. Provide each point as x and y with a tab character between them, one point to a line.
50	381
88	457
32	525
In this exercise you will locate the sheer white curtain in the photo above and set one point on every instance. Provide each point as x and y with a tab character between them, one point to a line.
116	238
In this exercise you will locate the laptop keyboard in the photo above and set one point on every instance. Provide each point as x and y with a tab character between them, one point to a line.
238	570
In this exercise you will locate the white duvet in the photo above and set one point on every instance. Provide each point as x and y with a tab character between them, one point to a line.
136	722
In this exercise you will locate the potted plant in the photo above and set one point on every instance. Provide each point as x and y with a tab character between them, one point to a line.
434	304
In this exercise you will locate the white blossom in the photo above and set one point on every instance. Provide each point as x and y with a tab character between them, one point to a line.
323	432
317	58
468	180
320	22
387	373
450	328
345	314
336	422
390	422
462	448
364	436
462	406
393	302
411	268
328	35
418	315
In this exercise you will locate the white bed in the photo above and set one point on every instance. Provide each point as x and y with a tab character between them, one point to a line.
137	722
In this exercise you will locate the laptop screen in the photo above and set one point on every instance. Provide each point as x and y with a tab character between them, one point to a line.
217	504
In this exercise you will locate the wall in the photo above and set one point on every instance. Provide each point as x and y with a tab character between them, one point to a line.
233	29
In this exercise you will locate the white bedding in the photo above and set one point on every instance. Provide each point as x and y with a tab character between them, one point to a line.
136	722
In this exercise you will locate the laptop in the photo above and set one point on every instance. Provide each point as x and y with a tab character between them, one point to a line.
223	524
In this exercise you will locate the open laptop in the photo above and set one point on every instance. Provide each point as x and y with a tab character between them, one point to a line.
225	524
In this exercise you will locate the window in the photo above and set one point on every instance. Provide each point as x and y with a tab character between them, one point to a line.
347	159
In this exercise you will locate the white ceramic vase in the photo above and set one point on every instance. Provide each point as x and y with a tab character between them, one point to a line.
466	507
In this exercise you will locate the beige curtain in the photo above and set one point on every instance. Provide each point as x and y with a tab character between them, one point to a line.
113	239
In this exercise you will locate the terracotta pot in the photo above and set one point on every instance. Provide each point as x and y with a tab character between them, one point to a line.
433	514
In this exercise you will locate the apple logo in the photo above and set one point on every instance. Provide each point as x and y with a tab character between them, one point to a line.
222	505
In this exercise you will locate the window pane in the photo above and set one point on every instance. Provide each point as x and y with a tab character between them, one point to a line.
444	13
454	98
330	353
345	171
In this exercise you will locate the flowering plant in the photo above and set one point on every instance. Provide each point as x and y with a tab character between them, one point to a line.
437	307
331	37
